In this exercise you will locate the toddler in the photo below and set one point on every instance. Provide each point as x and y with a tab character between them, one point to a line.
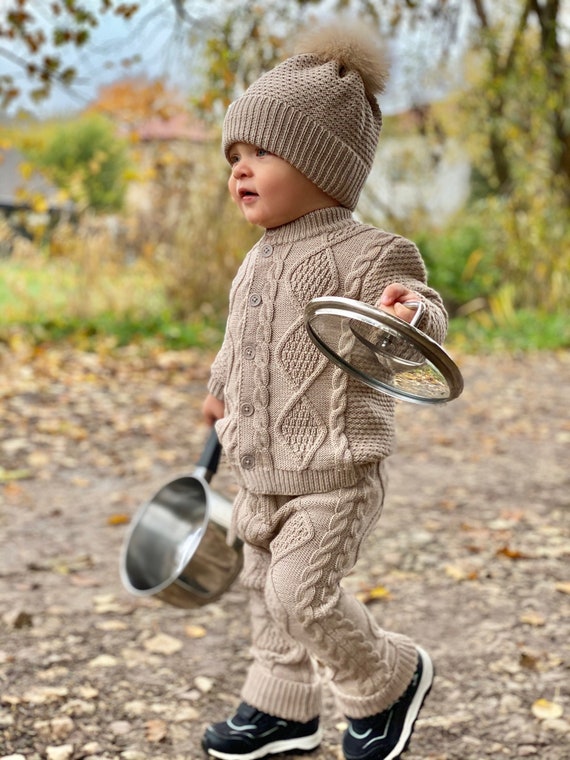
306	441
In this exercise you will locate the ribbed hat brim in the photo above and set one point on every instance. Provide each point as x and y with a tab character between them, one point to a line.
308	146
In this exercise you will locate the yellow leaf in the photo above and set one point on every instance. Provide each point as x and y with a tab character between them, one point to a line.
7	475
379	592
118	519
543	709
26	169
195	631
39	203
455	572
532	618
563	587
373	594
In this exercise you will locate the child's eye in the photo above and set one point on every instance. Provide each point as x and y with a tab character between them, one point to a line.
261	152
233	159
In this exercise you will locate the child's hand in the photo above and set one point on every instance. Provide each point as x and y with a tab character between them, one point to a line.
393	301
212	409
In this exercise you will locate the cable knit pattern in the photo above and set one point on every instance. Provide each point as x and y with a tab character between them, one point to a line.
296	553
296	423
317	595
261	392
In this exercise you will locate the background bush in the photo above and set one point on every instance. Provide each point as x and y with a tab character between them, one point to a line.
88	160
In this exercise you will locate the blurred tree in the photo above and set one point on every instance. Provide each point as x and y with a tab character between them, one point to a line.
245	45
87	160
239	39
525	87
37	41
135	99
513	105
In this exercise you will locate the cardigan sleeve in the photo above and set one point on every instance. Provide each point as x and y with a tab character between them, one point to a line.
219	370
399	260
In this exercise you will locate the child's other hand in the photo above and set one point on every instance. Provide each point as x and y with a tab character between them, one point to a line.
212	409
393	299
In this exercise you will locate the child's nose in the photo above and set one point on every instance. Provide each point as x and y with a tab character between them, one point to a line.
241	169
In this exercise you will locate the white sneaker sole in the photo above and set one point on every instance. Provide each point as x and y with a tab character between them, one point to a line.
302	743
415	706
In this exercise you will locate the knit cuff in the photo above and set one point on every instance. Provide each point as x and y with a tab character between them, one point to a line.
404	668
290	700
216	388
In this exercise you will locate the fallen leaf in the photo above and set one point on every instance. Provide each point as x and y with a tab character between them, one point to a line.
111	625
87	692
78	708
563	587
204	683
135	708
12	490
459	574
195	631
61	727
105	603
91	748
7	476
506	551
532	618
85	581
64	752
10	699
118	519
543	709
162	643
155	730
19	619
373	594
104	661
45	695
54	673
186	714
529	661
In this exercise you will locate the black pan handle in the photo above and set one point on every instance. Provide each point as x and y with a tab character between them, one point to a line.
210	456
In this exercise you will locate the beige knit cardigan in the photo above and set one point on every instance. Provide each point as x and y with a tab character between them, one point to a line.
294	422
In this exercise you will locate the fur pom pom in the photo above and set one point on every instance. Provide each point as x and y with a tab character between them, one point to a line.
355	48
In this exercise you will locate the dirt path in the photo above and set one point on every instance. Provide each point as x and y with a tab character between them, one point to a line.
470	558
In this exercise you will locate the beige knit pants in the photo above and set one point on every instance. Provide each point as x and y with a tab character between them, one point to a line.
296	552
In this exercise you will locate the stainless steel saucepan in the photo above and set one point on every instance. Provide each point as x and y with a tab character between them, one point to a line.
177	547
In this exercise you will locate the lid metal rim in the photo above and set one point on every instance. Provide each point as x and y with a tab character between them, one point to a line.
350	308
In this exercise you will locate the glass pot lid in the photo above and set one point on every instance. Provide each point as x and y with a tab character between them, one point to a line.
383	351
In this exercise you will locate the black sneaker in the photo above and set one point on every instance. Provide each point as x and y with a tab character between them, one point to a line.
386	735
251	735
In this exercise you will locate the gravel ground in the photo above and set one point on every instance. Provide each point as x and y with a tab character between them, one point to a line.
470	558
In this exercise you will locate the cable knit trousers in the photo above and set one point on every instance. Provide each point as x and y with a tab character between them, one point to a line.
296	552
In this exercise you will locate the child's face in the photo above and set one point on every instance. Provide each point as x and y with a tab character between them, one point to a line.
268	191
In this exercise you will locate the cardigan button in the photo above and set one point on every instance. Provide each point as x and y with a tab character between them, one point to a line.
249	351
267	250
255	299
247	409
248	461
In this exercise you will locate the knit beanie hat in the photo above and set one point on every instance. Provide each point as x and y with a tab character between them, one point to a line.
318	110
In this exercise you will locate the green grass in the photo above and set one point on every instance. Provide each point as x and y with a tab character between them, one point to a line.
116	332
55	300
50	301
523	331
31	289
